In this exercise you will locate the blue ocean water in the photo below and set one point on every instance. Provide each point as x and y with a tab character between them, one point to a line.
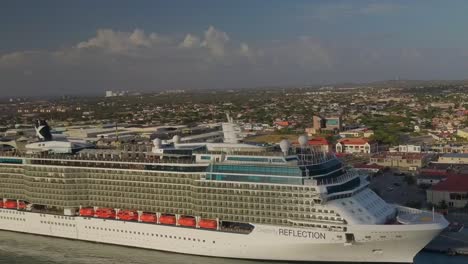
18	248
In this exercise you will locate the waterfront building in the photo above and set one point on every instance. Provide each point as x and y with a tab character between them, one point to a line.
356	145
401	160
453	191
454	158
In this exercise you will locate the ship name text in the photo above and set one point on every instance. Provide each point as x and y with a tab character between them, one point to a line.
301	233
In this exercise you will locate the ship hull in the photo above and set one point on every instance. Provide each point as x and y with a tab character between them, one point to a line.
265	242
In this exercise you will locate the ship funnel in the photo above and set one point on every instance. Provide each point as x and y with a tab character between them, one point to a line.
42	130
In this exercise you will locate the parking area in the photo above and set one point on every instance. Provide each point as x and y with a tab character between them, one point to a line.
394	189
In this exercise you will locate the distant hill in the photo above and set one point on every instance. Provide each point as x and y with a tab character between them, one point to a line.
404	83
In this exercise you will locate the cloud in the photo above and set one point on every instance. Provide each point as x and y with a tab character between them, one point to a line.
190	41
215	41
16	58
125	60
136	60
117	41
244	50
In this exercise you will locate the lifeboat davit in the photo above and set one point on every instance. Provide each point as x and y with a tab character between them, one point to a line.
10	204
105	213
187	221
87	211
208	224
148	218
128	215
167	219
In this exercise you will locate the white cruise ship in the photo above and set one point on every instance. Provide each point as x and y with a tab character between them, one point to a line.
235	201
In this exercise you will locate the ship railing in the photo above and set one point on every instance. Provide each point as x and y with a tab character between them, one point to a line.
243	153
343	178
407	215
10	154
96	159
336	226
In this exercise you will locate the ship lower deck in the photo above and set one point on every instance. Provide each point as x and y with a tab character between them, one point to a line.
264	243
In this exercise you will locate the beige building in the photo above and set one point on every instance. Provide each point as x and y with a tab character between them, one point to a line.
356	145
321	123
401	160
463	133
454	158
453	192
358	132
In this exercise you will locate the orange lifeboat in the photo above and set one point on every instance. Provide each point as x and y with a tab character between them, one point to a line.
127	215
1	203
87	211
10	204
21	205
208	224
148	218
105	213
167	219
187	221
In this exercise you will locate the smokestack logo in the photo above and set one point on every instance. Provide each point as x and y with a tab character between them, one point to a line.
42	130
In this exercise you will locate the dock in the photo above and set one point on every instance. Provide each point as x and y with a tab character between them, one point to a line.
450	243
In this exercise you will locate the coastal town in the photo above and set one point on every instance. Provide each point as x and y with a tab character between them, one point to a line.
410	139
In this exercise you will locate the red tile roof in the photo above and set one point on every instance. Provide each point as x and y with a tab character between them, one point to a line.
282	123
452	184
353	141
318	141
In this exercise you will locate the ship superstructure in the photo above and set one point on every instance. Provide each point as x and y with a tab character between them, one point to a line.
240	201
